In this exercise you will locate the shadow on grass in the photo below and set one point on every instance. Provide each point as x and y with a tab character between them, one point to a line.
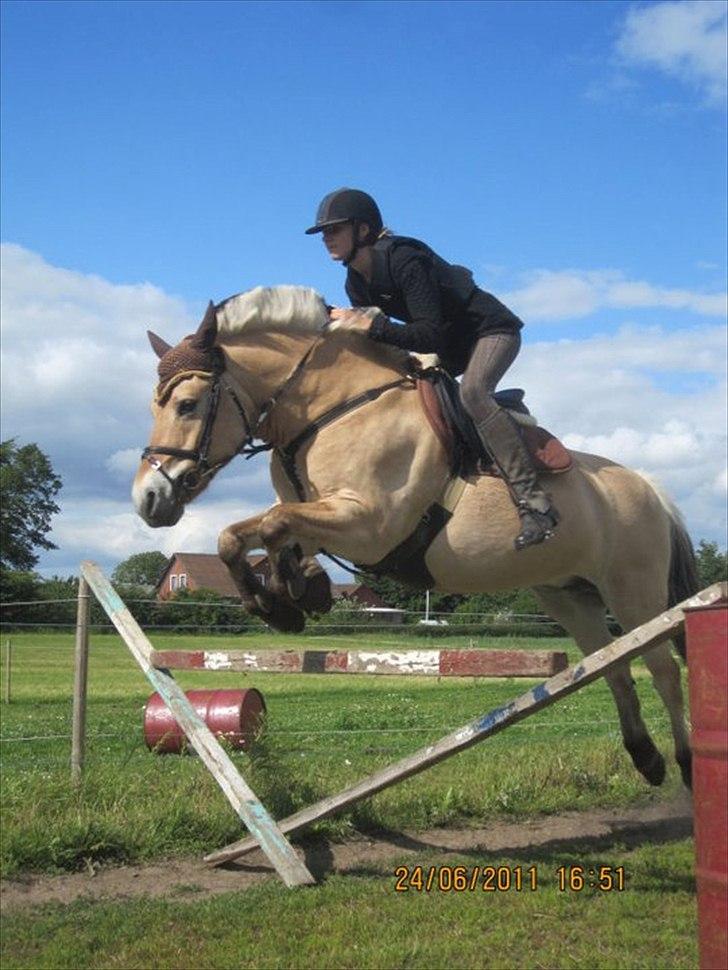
625	835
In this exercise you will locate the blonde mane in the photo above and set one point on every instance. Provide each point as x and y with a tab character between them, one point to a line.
297	309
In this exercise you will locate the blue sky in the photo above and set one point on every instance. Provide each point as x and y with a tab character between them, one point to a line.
157	155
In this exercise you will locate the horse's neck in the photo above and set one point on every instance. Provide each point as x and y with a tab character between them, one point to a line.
339	367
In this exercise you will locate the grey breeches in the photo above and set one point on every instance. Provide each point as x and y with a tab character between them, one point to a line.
491	358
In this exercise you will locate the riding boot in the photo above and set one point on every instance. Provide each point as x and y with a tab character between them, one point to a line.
501	438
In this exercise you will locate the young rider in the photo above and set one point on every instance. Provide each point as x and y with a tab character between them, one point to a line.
444	313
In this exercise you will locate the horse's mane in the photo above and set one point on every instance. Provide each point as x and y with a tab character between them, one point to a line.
294	309
297	309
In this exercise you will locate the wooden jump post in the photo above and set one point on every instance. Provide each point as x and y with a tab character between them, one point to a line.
650	634
265	831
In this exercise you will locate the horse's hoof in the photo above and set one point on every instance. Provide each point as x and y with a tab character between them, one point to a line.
280	615
317	597
647	760
686	770
654	771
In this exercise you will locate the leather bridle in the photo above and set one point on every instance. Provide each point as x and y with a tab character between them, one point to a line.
190	480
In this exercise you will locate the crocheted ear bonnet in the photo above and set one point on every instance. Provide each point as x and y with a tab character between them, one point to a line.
196	354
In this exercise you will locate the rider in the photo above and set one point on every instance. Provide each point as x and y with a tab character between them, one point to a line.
445	313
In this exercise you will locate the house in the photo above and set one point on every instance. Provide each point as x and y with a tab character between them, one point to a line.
358	593
196	570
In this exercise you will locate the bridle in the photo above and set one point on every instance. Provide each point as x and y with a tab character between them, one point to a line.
191	479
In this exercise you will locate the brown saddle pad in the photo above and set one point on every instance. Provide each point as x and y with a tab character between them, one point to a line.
546	451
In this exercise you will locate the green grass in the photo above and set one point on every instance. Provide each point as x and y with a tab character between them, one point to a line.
357	920
324	733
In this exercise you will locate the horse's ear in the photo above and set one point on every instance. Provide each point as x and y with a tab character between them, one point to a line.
159	346
207	330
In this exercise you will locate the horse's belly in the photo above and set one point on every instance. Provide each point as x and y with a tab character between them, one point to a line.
475	552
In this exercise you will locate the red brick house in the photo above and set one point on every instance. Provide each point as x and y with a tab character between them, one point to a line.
197	570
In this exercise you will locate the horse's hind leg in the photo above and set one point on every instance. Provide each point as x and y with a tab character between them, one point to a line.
633	603
581	611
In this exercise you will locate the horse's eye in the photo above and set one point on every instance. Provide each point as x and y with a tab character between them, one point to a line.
186	407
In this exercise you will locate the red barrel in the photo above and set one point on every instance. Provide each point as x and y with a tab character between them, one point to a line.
233	716
707	650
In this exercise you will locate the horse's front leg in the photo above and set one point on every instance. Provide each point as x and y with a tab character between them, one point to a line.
292	528
233	546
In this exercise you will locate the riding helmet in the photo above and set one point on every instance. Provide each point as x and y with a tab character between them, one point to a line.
347	205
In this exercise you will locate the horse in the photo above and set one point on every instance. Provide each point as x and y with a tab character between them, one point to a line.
357	467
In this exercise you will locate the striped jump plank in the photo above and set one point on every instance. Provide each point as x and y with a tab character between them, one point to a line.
425	663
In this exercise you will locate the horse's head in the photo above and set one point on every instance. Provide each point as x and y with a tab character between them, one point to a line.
192	437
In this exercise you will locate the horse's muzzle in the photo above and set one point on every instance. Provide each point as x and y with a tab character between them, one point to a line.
156	501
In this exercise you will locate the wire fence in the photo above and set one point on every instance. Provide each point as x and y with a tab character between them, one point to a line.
232	617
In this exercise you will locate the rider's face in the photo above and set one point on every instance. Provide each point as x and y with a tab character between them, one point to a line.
339	240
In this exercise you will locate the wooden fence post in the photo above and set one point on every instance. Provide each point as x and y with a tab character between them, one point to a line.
8	668
80	678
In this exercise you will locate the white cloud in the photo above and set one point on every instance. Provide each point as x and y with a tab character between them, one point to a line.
570	294
76	363
112	531
687	40
613	395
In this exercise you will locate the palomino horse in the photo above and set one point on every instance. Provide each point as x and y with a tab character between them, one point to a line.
355	465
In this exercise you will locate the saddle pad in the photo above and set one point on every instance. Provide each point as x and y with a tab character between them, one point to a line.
546	451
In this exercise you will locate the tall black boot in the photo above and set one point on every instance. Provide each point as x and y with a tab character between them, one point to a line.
501	438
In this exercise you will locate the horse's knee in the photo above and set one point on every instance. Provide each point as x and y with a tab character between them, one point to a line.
274	529
228	546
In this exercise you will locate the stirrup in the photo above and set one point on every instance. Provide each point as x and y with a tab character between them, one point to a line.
536	527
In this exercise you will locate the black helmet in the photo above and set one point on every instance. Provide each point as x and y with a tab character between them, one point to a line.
347	205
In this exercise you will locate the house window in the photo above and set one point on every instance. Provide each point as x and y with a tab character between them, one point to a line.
261	578
172	583
183	580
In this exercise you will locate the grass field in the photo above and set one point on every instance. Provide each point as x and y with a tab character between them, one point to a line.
323	733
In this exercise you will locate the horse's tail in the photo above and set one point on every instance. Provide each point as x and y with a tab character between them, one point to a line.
683	579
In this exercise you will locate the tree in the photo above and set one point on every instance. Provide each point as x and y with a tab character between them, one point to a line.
142	569
28	486
712	564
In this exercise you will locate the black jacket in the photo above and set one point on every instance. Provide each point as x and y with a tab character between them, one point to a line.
443	310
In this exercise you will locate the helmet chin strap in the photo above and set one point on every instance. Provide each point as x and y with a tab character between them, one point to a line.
355	246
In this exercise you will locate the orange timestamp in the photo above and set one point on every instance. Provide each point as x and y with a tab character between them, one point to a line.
503	879
460	879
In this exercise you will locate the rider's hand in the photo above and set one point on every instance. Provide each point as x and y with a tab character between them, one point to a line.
356	321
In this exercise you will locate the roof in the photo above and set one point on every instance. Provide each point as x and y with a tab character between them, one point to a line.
208	571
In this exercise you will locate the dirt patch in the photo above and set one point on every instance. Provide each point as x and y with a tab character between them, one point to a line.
181	878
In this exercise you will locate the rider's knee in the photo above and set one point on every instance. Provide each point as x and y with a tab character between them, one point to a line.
478	402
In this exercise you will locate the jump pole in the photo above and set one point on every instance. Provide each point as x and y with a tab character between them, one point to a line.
650	634
266	833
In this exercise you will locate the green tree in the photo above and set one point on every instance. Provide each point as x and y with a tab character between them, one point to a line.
28	486
712	563
142	569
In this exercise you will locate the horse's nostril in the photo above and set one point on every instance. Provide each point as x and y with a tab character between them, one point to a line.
150	501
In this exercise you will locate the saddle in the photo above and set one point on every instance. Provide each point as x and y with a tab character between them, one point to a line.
440	397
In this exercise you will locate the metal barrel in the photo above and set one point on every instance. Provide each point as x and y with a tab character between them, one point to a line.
233	716
707	646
